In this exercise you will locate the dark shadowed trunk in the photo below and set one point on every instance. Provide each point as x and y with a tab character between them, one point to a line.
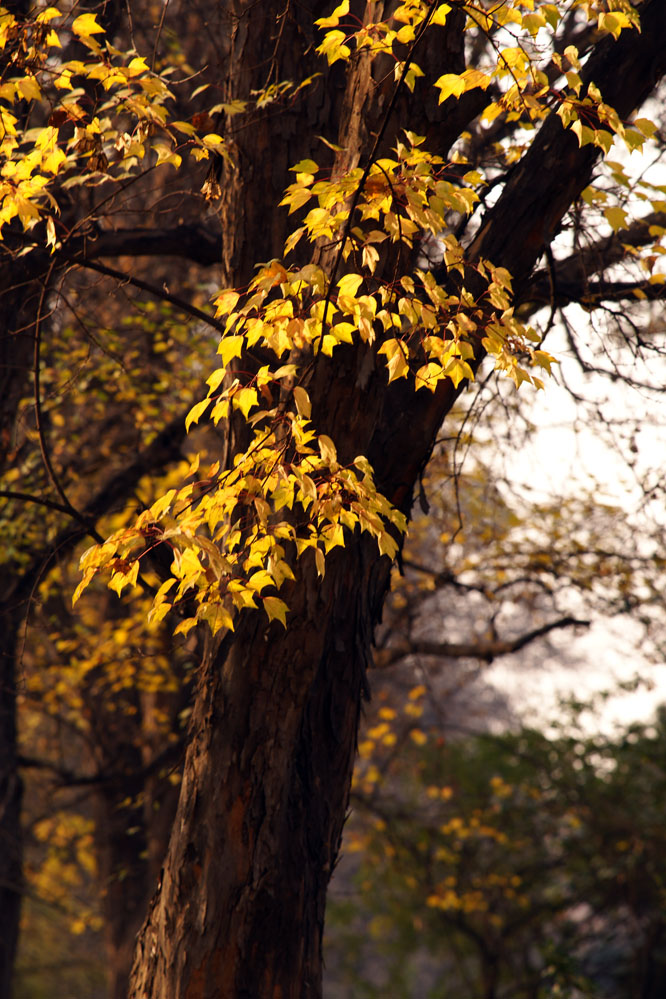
19	302
10	802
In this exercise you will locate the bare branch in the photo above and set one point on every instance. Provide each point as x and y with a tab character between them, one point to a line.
486	651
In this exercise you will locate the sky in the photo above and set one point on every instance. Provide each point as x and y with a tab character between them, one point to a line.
558	459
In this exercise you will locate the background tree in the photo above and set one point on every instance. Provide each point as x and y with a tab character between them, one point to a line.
525	873
274	719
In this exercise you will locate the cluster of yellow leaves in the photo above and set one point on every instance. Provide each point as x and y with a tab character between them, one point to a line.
385	737
402	200
74	140
77	140
229	532
449	842
102	660
69	856
520	86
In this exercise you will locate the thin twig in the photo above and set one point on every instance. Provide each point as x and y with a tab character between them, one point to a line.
165	4
371	159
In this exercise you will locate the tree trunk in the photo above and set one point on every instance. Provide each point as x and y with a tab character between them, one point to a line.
267	776
10	803
16	341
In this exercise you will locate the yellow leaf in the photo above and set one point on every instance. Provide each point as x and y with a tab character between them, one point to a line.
302	400
184	126
195	413
613	22
185	626
230	346
259	580
449	85
48	15
226	302
334	18
349	284
616	217
327	449
85	25
29	89
121	579
532	22
217	616
158	613
335	537
427	376
163	590
215	380
276	610
475	78
54	161
305	166
244	399
160	507
396	353
138	65
166	155
386	544
87	576
417	692
50	234
64	80
645	126
213	140
439	17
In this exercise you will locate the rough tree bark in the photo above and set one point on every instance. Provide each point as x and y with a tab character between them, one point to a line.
240	909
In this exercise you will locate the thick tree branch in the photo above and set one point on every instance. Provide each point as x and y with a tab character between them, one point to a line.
573	275
198	243
69	778
185	307
484	650
538	192
591	293
554	170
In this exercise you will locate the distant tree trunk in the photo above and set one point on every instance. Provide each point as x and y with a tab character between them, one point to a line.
11	790
16	340
120	833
